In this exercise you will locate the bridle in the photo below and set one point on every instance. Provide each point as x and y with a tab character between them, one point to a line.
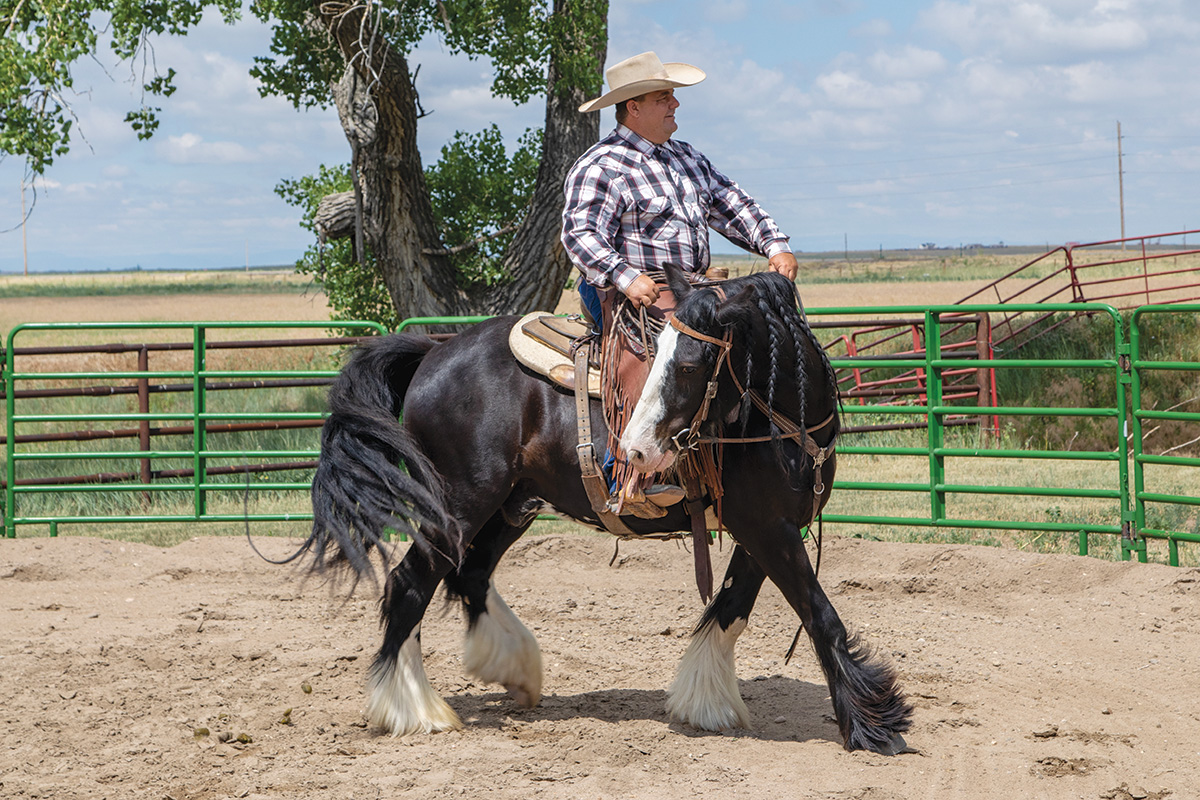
690	437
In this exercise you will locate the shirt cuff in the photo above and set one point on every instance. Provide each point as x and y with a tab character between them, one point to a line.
623	277
778	246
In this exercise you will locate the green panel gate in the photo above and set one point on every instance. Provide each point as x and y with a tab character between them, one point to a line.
974	482
952	475
1168	483
210	483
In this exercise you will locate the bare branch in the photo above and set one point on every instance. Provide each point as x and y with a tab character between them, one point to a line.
478	240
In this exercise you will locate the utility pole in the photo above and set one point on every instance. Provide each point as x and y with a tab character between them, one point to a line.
24	245
1121	184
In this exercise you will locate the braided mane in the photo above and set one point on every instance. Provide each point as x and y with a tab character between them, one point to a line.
774	317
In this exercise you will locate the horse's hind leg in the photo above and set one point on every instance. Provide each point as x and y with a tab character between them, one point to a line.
870	708
705	691
498	648
400	698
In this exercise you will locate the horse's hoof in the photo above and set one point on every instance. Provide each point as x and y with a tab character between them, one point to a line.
895	746
523	696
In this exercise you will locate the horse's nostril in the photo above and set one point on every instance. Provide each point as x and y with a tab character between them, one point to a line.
636	456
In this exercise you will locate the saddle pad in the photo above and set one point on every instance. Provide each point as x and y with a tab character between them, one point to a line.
542	342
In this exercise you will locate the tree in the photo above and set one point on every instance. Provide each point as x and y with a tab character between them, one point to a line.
354	54
42	41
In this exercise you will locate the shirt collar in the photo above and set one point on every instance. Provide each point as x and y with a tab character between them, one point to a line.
639	142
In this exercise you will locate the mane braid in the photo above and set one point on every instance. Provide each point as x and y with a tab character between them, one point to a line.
744	412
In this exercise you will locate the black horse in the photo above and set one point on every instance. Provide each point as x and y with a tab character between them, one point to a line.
485	444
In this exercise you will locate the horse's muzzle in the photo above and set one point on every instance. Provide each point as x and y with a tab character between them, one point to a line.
650	458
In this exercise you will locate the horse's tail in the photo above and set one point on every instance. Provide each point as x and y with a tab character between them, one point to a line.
372	478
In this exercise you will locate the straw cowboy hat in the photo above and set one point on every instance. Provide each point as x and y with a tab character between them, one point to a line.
640	74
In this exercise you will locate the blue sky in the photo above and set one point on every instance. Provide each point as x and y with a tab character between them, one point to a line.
878	123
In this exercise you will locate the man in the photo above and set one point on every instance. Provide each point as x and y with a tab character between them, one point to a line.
639	199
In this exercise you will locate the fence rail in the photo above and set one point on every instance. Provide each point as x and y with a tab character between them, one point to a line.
1132	495
199	383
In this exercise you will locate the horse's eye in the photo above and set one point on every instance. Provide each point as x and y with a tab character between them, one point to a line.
687	369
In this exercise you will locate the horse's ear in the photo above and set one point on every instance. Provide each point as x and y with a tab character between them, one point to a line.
677	282
739	307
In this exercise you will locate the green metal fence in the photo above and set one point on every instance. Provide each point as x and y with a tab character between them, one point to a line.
952	476
1176	501
930	460
215	484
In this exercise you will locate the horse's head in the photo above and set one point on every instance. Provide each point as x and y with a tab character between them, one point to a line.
678	395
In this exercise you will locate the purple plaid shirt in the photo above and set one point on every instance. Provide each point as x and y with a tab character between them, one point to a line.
633	205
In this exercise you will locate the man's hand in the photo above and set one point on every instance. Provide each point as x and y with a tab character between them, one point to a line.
643	291
785	264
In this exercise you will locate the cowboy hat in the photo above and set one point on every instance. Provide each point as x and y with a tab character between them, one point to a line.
640	74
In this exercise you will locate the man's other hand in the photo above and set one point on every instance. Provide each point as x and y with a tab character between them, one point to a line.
785	264
643	291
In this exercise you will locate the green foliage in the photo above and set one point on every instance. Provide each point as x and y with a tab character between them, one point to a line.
42	42
518	37
477	190
354	291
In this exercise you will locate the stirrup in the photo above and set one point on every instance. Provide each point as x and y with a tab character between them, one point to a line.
664	495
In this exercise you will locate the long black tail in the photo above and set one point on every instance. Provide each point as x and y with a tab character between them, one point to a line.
372	478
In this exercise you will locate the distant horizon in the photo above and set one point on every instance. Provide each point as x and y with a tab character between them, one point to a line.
860	253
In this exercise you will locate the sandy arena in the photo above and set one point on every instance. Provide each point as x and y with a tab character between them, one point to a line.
200	671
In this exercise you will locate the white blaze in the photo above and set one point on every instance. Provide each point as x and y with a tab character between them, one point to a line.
648	413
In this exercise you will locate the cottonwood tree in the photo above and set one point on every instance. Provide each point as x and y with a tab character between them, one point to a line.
353	54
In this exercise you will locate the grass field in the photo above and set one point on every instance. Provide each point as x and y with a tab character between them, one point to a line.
281	295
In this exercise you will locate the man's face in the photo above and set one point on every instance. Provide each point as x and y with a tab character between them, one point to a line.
653	116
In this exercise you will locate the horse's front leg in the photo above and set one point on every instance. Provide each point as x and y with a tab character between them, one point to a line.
498	648
705	691
400	698
870	707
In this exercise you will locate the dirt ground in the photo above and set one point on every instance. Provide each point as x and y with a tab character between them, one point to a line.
200	671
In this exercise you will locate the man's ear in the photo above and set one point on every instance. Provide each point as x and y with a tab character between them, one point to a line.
739	307
677	282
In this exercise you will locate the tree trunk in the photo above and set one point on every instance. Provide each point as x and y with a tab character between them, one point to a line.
398	221
535	258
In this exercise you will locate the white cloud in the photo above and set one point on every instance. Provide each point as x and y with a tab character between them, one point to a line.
1039	30
910	63
877	28
725	11
190	148
848	90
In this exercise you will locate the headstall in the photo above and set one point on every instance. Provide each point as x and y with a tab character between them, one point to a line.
690	438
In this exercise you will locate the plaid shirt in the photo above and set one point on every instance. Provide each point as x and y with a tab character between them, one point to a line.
633	206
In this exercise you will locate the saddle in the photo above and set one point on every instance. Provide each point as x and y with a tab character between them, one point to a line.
546	344
561	349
